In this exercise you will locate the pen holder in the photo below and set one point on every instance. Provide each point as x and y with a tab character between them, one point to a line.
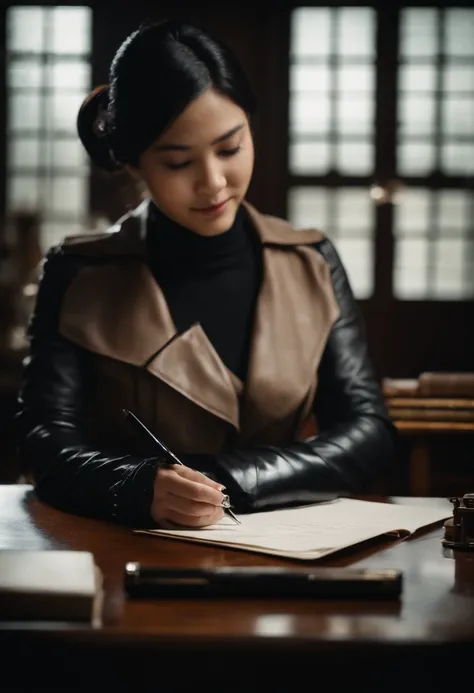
459	529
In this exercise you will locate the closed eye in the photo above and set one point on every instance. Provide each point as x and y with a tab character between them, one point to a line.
225	153
230	152
176	167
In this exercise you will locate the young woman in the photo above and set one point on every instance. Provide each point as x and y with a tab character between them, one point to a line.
220	327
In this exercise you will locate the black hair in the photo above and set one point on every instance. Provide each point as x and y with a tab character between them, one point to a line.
157	71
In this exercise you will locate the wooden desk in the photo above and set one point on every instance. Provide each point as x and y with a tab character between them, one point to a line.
421	643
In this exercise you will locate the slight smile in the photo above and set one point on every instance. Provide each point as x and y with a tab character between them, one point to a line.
213	209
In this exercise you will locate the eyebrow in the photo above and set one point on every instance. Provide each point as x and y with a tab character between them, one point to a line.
184	147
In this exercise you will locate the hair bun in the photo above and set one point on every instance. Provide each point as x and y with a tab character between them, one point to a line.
93	128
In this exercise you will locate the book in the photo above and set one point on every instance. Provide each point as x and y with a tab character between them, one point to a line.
311	532
441	384
419	414
400	387
431	384
50	586
452	403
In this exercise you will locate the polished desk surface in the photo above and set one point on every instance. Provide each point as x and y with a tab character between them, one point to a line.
436	609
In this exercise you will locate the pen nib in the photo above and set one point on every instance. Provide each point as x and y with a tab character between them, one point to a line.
234	517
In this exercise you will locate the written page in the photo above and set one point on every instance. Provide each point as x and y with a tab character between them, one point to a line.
313	531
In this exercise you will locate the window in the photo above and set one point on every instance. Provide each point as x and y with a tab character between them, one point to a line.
48	76
348	213
426	149
433	226
332	108
434	250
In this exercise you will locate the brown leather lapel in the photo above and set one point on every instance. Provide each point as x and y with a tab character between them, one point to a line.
118	310
190	364
291	325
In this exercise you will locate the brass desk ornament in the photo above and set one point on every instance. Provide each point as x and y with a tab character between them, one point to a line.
459	529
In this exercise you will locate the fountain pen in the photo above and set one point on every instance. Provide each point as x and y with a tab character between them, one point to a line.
169	457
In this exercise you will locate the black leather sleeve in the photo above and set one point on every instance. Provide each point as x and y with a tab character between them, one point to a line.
356	441
354	445
68	473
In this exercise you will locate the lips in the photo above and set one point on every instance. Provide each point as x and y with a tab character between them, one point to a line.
212	208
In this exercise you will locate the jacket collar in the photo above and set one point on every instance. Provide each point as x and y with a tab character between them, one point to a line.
127	236
118	310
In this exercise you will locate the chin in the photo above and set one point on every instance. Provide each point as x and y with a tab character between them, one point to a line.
212	227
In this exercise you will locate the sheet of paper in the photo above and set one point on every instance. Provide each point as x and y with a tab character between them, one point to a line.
313	531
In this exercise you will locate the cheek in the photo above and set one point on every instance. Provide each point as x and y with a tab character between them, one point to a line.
168	188
245	168
239	171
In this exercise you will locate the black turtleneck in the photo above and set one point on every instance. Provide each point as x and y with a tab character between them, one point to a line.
213	280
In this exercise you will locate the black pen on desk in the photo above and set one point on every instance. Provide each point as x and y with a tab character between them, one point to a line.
170	456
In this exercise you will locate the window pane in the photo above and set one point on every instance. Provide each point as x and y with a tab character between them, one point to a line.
310	31
417	78
417	115
63	111
308	208
354	116
25	29
457	159
23	192
315	78
458	78
354	212
433	245
412	213
357	257
356	31
418	37
44	93
453	211
69	75
53	232
449	278
24	153
25	73
24	112
460	32
71	30
68	195
356	78
314	207
66	153
416	158
354	158
458	116
312	113
309	114
410	271
449	254
450	285
309	157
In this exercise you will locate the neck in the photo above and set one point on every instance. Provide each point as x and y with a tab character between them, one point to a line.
156	216
175	249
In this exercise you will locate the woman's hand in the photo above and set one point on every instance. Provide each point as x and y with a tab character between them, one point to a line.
186	497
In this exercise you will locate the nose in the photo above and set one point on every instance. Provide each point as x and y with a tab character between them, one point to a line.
211	179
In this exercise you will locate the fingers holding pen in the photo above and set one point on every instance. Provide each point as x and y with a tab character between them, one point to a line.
191	516
186	497
186	482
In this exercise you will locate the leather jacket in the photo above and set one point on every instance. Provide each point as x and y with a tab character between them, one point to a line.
354	445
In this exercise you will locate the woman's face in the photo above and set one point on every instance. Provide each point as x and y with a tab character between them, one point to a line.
198	171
